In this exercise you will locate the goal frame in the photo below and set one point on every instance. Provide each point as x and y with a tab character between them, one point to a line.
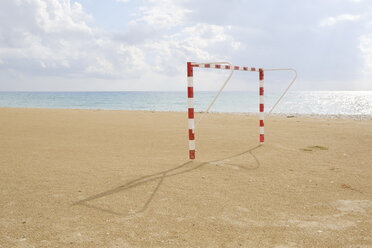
190	96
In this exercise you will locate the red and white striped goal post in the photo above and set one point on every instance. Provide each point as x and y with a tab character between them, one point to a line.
225	66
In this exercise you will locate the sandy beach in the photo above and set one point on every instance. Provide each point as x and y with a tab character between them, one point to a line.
99	178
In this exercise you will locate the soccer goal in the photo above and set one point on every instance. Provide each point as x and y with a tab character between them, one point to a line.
225	66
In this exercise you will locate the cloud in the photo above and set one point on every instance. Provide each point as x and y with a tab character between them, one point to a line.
60	38
162	31
334	20
55	37
162	14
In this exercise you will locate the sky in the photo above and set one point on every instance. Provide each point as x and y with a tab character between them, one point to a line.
143	45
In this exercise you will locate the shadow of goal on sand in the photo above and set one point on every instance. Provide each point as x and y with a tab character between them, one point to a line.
159	178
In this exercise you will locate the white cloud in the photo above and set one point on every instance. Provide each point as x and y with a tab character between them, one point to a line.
162	14
55	37
167	39
59	38
340	18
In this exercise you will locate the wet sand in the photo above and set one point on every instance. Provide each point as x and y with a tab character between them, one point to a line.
92	178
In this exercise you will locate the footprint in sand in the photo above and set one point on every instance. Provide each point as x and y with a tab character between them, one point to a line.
314	148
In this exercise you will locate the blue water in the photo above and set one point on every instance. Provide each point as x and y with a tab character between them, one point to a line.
304	102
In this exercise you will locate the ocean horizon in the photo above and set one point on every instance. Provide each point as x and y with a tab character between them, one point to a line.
350	103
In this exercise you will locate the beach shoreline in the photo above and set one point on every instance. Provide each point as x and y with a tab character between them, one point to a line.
284	115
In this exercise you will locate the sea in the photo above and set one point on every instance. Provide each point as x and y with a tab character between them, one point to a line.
319	103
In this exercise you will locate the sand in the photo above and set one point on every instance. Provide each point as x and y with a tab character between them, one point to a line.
93	178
